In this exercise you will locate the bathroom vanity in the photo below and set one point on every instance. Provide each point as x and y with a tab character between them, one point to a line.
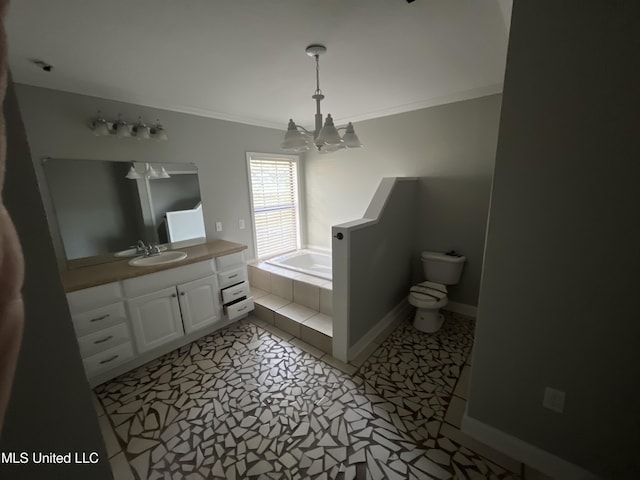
125	316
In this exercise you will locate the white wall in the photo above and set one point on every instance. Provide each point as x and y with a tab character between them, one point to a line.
450	147
558	303
57	126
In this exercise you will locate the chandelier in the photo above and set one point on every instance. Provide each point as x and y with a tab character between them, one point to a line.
325	138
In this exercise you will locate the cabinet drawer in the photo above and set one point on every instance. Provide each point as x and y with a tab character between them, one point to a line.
227	261
238	309
103	361
90	298
232	277
99	318
230	294
103	340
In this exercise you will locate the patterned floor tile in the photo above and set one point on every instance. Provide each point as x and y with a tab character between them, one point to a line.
243	403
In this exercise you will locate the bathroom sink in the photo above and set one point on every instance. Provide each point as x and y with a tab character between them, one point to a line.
132	252
166	257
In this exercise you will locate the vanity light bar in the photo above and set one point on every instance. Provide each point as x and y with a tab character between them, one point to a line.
102	127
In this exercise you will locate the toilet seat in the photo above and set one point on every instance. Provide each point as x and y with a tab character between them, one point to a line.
428	295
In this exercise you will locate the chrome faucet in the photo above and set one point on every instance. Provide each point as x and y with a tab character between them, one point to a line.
149	250
154	249
142	248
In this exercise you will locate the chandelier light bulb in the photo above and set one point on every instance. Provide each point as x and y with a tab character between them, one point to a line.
294	139
350	138
329	134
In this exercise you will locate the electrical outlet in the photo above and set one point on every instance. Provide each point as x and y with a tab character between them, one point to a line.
241	224
218	226
553	400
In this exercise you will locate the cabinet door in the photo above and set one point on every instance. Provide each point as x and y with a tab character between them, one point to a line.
155	319
199	303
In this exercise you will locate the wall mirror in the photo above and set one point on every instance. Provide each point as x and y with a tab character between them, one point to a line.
102	208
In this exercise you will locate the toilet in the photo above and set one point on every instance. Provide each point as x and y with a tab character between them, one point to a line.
440	270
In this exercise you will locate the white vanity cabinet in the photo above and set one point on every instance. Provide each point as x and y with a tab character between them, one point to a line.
101	325
198	303
166	315
124	324
163	306
155	319
234	284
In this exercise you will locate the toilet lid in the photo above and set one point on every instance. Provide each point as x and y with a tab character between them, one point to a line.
429	291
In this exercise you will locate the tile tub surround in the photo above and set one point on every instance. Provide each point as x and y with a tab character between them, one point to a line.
243	403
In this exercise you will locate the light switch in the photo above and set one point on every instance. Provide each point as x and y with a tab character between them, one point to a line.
218	226
241	224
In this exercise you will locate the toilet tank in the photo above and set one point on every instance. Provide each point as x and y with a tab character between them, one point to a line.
442	267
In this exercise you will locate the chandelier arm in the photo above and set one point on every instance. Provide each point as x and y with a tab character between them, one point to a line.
304	130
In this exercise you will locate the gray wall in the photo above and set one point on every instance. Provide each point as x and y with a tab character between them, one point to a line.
94	204
558	303
380	261
50	408
451	147
57	126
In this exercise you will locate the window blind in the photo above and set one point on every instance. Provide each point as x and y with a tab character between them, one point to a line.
274	188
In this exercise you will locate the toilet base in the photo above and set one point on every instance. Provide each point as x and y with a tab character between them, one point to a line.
428	321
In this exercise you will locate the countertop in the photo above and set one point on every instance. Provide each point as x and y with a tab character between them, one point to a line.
93	275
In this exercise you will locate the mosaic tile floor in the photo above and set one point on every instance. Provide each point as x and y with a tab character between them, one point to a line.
243	403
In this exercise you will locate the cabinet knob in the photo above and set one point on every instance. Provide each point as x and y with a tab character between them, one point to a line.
174	295
182	294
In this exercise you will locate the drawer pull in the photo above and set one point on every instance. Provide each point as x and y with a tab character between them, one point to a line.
233	276
102	317
109	359
237	292
243	308
104	339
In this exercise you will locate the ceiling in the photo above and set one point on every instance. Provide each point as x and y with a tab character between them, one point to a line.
244	60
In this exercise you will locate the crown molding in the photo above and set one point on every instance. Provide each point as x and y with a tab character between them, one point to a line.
208	113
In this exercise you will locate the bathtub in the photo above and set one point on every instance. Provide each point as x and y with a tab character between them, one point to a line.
311	262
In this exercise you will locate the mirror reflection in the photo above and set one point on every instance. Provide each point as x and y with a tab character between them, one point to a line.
103	208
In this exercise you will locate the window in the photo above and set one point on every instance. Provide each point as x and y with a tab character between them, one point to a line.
273	181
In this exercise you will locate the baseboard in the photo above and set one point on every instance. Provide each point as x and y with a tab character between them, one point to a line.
462	309
396	315
524	452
